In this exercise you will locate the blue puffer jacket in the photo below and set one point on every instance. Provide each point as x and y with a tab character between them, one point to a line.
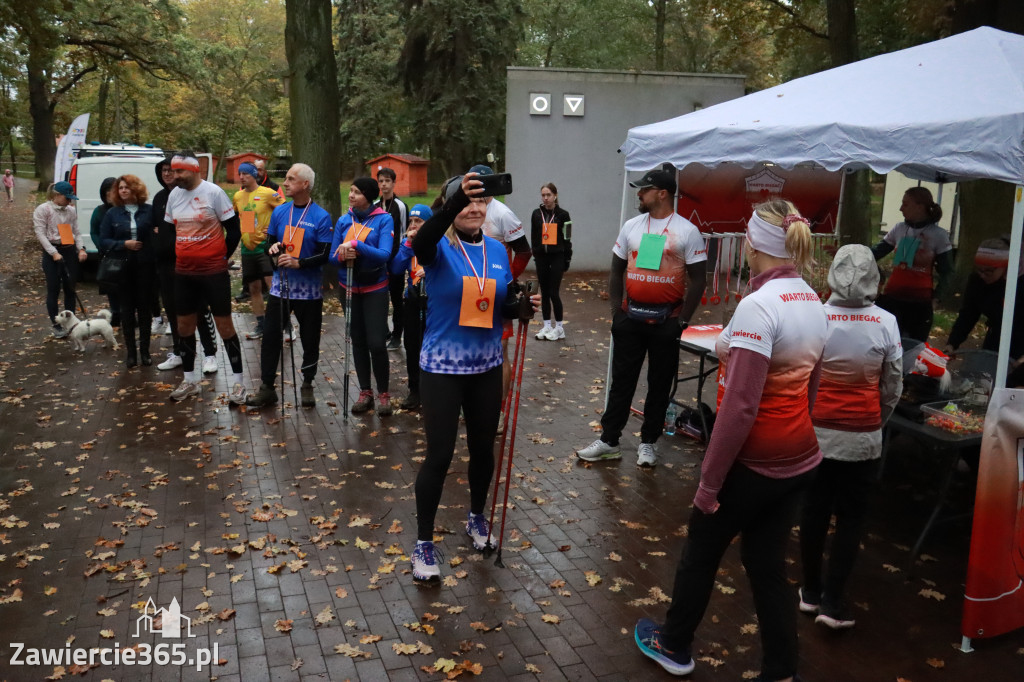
372	253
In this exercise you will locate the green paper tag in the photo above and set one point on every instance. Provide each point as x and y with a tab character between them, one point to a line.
652	246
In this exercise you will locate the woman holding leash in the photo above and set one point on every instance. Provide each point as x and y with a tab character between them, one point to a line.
127	232
469	294
56	226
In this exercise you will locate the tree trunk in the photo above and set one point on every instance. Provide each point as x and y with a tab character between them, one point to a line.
659	34
43	144
313	96
842	32
101	109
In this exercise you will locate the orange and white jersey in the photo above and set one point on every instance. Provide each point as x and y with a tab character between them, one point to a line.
683	246
785	322
860	341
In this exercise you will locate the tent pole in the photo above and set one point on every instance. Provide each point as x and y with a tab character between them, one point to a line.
1010	298
611	340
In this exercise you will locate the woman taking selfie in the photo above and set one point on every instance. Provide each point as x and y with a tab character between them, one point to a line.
552	250
127	232
469	294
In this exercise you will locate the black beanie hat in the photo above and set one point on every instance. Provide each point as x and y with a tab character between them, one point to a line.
369	188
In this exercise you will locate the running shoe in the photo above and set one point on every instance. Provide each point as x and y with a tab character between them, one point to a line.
266	395
59	332
425	562
649	638
306	395
544	334
364	403
184	390
237	395
479	530
810	602
598	451
557	333
646	456
172	362
838	618
384	405
210	364
156	325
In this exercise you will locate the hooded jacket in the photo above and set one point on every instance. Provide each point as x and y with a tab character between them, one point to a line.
165	233
862	364
97	213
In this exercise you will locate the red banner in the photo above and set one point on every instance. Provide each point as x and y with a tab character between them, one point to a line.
721	199
994	594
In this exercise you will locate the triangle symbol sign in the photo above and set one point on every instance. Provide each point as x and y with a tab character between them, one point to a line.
573	102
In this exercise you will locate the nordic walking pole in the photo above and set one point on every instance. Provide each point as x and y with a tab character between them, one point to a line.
348	335
520	342
291	345
505	404
284	321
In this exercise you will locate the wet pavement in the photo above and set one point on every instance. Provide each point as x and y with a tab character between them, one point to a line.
284	534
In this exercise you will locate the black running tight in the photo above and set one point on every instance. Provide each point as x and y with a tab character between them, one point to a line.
443	395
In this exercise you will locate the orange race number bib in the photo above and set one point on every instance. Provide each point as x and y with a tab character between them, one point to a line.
477	309
358	232
293	240
549	234
248	222
67	237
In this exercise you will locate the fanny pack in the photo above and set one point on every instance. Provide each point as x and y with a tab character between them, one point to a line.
650	313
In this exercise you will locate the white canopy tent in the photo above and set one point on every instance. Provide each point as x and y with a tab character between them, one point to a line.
947	111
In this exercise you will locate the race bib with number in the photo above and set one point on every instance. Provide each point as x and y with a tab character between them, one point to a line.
293	240
652	247
477	308
248	220
549	234
67	237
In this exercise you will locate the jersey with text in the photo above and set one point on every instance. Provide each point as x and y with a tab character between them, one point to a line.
449	348
304	284
860	341
785	322
197	214
262	201
913	281
683	246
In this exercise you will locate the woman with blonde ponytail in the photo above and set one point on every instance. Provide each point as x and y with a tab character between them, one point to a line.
757	465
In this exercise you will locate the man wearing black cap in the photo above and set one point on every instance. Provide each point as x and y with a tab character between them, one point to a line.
659	263
396	208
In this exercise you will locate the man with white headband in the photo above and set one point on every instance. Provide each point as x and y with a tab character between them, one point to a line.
983	295
206	231
659	260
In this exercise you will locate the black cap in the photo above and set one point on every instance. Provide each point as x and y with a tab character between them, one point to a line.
662	179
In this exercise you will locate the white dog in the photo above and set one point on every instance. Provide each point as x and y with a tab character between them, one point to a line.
79	331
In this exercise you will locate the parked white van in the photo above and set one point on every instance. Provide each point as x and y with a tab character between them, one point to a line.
93	165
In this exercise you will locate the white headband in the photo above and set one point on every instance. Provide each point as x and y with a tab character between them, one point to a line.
767	238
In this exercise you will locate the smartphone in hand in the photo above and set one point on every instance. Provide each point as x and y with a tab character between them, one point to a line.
496	185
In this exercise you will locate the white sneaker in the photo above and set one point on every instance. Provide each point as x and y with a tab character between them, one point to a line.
599	450
237	395
479	530
425	562
290	335
172	362
167	328
556	334
210	364
184	390
646	456
154	327
544	334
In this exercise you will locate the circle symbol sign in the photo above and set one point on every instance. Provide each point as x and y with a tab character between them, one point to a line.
540	103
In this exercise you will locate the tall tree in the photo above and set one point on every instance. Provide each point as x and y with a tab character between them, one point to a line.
372	109
313	95
453	69
65	41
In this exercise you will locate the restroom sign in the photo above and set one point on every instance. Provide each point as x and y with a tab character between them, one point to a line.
572	105
540	103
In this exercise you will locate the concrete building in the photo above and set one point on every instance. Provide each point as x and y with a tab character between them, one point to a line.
565	126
